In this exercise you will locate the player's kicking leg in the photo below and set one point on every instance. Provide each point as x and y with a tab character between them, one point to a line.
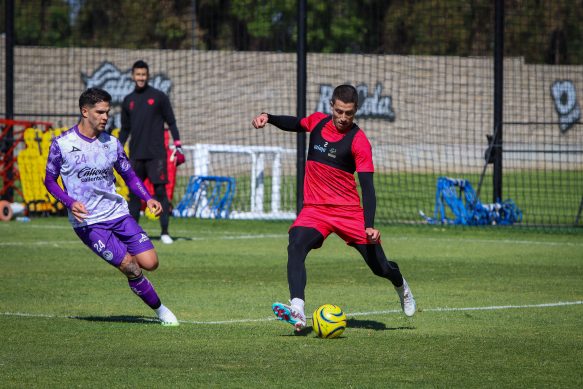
292	314
301	241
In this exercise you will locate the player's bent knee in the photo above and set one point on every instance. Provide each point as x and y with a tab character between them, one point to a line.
302	240
148	260
150	267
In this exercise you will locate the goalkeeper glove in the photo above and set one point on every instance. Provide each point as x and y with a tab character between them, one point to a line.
178	154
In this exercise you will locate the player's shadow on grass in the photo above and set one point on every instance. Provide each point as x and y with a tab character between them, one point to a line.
118	319
374	325
303	332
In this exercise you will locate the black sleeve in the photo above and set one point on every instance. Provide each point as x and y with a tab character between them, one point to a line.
168	115
286	123
369	200
124	132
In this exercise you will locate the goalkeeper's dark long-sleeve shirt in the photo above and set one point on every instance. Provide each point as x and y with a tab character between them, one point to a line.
143	115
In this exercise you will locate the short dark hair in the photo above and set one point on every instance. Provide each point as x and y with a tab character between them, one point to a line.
140	64
93	96
346	94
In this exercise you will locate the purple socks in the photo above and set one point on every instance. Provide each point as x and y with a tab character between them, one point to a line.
144	289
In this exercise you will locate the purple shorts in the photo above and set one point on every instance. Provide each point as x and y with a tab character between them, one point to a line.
111	240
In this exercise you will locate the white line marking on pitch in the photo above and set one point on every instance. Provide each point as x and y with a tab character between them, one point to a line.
486	241
56	243
491	308
235	237
387	238
371	313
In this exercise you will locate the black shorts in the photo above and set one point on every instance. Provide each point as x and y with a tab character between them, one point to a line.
153	169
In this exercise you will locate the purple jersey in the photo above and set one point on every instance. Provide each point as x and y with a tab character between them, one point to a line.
86	167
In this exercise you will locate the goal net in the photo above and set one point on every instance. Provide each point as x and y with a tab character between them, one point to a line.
259	186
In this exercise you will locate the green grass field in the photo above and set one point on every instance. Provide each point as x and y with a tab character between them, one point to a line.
497	308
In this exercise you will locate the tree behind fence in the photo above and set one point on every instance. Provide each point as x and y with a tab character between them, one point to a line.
424	70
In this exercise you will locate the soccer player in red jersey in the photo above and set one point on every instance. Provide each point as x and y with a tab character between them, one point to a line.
338	148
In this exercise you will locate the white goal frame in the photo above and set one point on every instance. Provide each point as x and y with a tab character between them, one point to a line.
200	155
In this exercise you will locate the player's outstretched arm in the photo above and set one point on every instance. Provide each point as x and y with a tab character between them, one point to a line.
283	122
260	120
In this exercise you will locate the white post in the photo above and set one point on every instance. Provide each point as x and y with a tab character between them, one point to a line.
259	183
202	160
276	182
252	179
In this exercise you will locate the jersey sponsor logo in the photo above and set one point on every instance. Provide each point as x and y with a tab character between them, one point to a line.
332	153
320	148
144	238
108	255
74	149
151	101
88	174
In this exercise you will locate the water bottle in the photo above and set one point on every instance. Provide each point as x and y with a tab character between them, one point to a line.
23	219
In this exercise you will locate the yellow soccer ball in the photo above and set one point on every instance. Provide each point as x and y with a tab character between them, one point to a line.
150	215
328	321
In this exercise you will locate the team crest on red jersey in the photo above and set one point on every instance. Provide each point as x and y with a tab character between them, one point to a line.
151	101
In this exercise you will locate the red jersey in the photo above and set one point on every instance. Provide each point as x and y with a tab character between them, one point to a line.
333	158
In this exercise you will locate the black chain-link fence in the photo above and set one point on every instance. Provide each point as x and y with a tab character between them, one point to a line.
424	70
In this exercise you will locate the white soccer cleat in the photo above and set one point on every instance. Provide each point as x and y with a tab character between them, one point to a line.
166	239
290	314
166	317
407	300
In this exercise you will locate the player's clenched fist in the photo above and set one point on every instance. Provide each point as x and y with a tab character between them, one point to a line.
372	235
154	206
260	121
79	211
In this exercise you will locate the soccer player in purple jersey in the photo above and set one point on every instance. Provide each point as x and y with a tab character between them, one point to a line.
85	156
